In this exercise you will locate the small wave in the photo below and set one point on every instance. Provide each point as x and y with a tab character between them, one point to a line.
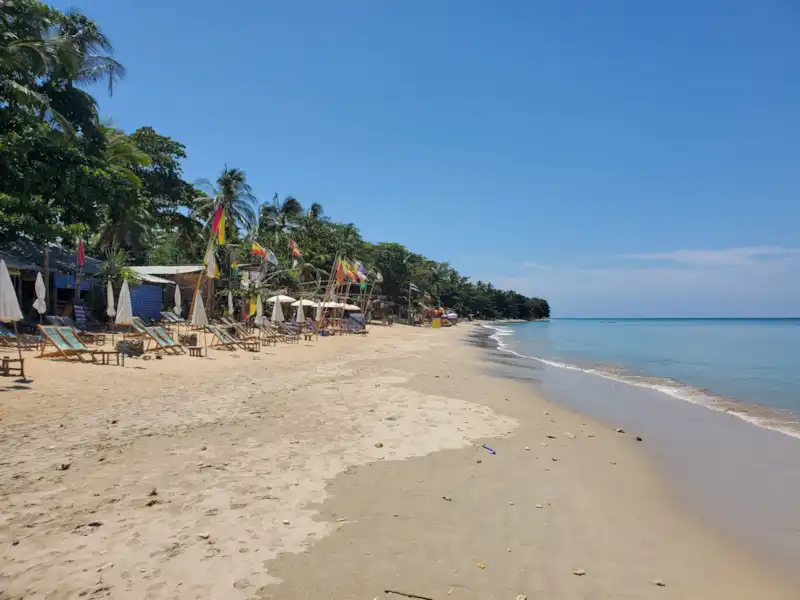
665	386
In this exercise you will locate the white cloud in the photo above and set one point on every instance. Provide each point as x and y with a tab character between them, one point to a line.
534	265
725	257
760	281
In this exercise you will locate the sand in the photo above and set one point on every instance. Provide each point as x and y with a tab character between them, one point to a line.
336	469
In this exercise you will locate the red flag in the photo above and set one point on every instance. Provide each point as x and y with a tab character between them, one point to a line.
81	254
339	272
294	248
218	224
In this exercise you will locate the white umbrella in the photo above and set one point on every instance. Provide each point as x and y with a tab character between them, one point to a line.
351	307
124	314
178	301
199	317
124	308
259	311
281	298
277	312
304	302
300	318
110	310
230	302
9	307
41	291
332	305
318	315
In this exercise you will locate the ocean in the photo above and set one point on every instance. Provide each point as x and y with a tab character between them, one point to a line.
747	367
715	401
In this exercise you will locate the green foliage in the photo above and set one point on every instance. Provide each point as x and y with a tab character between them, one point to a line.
63	174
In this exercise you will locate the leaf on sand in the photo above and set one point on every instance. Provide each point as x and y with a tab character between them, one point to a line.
480	565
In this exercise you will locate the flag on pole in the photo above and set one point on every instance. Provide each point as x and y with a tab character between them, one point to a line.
258	250
339	271
81	254
218	224
212	272
412	288
295	250
270	257
361	271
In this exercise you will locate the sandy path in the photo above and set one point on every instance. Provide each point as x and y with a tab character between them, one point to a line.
183	485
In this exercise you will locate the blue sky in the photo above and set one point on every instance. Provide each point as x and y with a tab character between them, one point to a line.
616	157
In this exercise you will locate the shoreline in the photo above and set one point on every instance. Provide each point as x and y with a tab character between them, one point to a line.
781	421
324	470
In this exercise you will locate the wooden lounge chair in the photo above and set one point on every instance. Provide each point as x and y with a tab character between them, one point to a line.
240	331
162	343
270	332
9	338
169	340
64	348
172	318
225	340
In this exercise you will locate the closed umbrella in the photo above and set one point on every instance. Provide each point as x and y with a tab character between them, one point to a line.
259	311
230	303
277	313
199	317
300	316
178	300
318	316
9	307
124	314
40	304
110	310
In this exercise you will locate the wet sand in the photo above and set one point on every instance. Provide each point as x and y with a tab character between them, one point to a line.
337	469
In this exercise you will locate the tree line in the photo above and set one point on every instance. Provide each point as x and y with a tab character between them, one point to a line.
65	173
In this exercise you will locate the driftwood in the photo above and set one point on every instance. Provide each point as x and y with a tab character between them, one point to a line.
406	595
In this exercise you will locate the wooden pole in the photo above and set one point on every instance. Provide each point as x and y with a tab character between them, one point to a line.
19	351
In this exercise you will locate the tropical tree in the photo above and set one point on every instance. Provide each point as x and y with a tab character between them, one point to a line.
235	195
278	218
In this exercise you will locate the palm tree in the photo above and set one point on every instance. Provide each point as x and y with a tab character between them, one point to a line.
234	194
277	218
120	154
126	224
315	211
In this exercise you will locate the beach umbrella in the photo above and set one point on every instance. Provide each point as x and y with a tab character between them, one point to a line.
110	310
230	303
178	301
41	291
9	307
199	317
277	313
259	310
318	315
281	298
124	314
304	302
300	316
351	307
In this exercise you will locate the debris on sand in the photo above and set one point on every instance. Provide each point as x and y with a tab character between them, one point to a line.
579	572
619	430
379	445
658	582
64	466
638	439
447	498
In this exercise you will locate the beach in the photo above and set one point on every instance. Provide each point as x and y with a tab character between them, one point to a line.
339	468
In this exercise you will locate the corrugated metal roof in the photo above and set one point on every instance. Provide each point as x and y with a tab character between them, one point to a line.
149	278
168	269
29	256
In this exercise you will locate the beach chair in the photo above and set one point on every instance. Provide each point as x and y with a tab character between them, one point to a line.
87	337
64	348
291	331
270	332
9	338
168	340
172	318
240	331
226	341
161	344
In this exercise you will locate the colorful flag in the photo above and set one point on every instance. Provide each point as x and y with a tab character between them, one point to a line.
271	258
293	247
234	266
218	224
258	250
339	271
361	271
81	254
212	271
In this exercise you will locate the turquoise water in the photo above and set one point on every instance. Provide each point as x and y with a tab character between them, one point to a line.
747	366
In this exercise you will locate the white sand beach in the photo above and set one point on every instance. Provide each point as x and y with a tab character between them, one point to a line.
336	469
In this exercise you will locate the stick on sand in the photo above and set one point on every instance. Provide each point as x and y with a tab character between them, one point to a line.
406	595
